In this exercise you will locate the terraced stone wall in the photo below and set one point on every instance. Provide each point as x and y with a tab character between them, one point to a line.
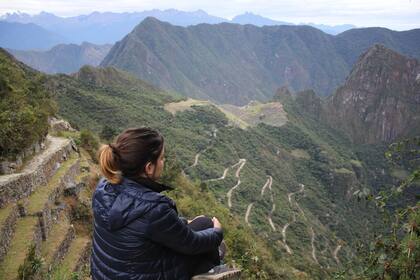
16	186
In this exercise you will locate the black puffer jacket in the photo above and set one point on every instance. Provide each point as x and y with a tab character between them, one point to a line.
138	234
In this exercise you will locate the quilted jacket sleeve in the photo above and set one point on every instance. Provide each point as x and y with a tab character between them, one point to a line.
168	229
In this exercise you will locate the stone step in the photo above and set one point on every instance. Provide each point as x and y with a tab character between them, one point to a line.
27	234
37	172
77	256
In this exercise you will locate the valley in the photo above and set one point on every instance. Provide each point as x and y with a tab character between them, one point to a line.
293	176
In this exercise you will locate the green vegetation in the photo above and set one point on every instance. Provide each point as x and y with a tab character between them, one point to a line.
31	267
394	252
269	151
24	108
89	142
304	151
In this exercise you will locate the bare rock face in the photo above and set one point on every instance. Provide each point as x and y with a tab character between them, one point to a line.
59	125
380	100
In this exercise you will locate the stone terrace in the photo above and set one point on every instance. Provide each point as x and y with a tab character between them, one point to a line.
32	214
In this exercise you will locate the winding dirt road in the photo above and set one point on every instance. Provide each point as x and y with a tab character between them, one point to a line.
335	253
270	221
241	163
283	233
313	246
248	210
267	184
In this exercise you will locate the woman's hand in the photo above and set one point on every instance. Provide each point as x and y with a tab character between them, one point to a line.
216	223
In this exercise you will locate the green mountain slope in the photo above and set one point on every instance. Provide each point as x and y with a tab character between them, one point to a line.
230	63
284	192
296	180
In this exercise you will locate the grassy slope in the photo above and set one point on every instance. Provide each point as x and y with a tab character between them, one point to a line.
268	151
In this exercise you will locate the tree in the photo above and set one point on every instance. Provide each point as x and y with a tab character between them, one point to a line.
395	253
108	132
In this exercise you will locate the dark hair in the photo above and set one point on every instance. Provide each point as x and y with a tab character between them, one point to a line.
130	153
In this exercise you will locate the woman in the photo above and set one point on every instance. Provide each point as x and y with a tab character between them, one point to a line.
137	231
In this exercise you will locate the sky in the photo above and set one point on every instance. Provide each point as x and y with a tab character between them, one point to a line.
394	14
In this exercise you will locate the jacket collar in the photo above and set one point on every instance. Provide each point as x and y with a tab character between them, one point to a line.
150	184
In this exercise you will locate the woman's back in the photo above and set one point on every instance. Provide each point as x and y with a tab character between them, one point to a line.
138	234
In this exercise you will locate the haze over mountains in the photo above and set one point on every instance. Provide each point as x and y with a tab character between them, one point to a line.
230	63
108	27
27	36
63	58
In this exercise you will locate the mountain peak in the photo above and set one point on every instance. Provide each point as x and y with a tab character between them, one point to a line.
380	99
151	21
381	68
282	94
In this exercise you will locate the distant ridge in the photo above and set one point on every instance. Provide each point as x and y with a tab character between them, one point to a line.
231	63
63	58
251	18
108	27
23	36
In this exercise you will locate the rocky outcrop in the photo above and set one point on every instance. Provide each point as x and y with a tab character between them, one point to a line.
380	100
309	103
57	125
282	94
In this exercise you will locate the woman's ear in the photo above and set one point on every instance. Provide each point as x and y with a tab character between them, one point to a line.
149	169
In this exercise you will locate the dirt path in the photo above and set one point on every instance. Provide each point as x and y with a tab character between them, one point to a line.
313	245
284	229
270	221
229	193
312	232
335	254
283	233
268	184
248	210
195	163
220	178
302	189
53	144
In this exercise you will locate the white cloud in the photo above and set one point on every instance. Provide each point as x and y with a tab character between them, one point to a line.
398	14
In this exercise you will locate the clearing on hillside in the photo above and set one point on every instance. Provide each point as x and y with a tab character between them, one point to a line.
250	115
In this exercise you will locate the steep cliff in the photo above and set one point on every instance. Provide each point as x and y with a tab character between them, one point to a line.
380	100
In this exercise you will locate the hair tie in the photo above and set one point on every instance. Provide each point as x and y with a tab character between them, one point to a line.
113	148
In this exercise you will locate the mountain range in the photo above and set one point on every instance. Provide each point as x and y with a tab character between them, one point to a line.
63	58
286	187
27	36
251	18
108	27
231	63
